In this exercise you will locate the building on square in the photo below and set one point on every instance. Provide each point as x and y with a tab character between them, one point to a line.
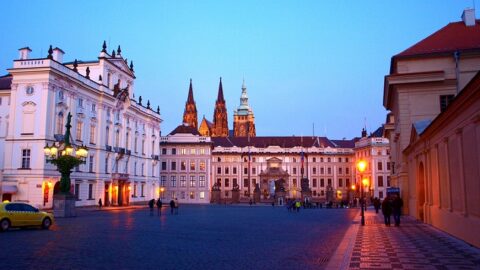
122	133
432	94
185	165
375	150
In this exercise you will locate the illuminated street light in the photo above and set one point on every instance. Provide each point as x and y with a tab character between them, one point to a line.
362	166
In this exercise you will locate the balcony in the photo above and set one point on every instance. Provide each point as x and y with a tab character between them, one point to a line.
128	152
155	157
119	150
108	148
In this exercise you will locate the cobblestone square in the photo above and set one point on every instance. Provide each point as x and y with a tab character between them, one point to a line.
200	237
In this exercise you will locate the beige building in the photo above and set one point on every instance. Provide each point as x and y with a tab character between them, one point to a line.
422	82
433	127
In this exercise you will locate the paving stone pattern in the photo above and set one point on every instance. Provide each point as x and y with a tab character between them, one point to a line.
413	245
200	237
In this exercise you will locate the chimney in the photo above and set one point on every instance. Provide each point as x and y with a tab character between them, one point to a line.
58	54
24	53
468	17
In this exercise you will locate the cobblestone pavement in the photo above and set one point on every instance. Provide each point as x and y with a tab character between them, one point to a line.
200	237
413	245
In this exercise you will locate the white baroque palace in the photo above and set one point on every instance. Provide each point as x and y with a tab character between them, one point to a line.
121	133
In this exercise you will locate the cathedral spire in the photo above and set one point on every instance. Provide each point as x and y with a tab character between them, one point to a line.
220	92
243	118
220	119
190	112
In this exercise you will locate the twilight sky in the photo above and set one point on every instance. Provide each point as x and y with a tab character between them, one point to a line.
304	62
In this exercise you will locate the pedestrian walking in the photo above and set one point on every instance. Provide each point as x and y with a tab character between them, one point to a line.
159	207
172	206
397	205
176	206
376	204
386	210
100	203
151	203
297	206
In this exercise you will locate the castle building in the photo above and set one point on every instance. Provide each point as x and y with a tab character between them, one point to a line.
220	117
190	112
121	133
243	118
375	151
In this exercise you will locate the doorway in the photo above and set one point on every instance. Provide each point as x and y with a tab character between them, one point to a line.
421	192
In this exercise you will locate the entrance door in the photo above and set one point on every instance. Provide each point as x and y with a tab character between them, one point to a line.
106	198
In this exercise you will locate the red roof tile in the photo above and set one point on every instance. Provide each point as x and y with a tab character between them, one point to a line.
454	36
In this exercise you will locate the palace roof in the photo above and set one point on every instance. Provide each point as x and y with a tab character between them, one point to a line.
185	129
5	82
284	142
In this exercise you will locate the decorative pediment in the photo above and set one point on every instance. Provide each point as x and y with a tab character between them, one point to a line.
120	64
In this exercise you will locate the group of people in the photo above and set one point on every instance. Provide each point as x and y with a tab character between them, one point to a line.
293	205
391	205
159	204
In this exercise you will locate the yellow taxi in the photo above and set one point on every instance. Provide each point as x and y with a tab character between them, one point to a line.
16	214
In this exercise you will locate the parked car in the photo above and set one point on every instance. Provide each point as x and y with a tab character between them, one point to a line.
13	214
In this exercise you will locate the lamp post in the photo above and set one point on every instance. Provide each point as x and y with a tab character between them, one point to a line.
161	192
66	156
361	166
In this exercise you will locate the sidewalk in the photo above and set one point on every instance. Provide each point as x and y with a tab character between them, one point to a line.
413	245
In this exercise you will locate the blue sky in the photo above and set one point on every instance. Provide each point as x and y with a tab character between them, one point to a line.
304	62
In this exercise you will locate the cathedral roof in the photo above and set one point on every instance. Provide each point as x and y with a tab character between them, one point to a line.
286	142
185	129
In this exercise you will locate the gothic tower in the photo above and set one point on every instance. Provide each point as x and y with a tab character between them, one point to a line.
243	118
220	121
190	113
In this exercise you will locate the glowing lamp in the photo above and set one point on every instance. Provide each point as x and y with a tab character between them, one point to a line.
361	166
353	187
365	181
53	150
47	150
68	150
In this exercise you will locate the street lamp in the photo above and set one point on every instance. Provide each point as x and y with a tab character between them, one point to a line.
161	192
361	166
66	156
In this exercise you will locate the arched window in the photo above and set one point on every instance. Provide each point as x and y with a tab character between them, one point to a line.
60	123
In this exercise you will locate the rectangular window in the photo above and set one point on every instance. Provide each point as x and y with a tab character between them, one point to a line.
77	191
94	107
329	182
254	170
314	182
202	166
164	151
322	170
340	182
183	151
227	170
202	151
90	191
78	135
235	182
80	102
245	170
202	195
163	180
92	134
445	100
294	170
143	169
234	170
380	194
192	165
134	190
173	181
227	182
107	134
173	166
339	159
388	166
174	151
143	147
135	168
192	195
388	181
314	170
135	145
380	166
245	182
201	181
106	165
183	165
294	182
329	170
193	183
219	170
347	183
340	171
380	180
183	182
90	163
347	170
142	190
164	165
322	182
26	159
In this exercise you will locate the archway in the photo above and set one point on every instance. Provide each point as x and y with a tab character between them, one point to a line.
421	192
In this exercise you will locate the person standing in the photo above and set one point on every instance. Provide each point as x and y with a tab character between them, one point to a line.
397	205
159	207
172	206
150	205
100	203
376	204
386	210
176	206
